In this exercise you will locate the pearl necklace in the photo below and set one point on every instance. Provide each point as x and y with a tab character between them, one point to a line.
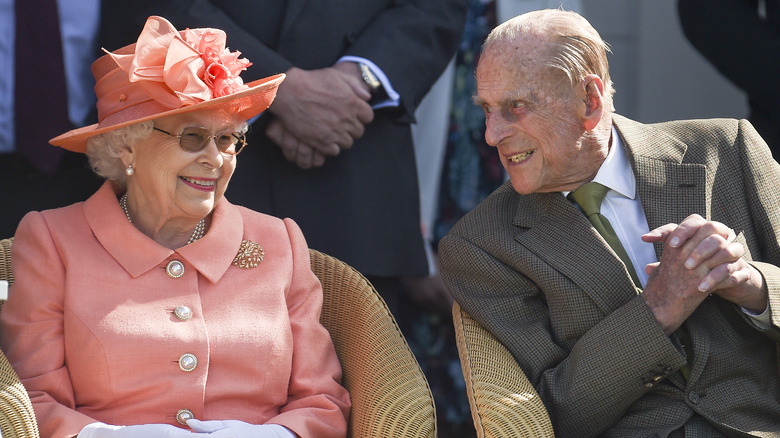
200	228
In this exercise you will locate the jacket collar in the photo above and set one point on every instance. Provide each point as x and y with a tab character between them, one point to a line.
137	253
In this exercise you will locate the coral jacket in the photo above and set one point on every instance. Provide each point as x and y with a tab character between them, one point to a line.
92	330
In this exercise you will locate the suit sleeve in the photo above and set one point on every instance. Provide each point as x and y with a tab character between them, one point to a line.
317	404
412	41
612	361
32	329
761	174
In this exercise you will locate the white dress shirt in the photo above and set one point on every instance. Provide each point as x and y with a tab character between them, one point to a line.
393	98
7	41
623	209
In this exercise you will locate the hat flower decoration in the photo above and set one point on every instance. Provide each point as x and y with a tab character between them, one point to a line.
186	68
167	72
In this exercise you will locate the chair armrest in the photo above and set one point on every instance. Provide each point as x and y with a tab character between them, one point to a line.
390	394
5	260
503	401
17	418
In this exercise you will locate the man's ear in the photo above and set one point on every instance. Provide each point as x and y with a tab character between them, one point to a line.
594	101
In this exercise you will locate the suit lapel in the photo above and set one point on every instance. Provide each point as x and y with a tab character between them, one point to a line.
546	223
669	189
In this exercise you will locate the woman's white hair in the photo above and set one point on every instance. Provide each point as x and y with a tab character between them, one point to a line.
104	150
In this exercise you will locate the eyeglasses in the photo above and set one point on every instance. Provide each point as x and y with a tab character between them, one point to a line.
196	139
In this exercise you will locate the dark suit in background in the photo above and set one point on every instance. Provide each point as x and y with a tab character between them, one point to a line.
35	175
362	205
741	38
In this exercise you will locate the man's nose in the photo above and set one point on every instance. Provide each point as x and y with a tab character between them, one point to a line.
496	129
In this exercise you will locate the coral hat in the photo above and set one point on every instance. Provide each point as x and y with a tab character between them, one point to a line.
168	72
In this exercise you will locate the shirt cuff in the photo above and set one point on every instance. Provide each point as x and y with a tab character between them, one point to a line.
763	319
393	98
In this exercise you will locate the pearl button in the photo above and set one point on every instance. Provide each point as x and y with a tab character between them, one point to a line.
188	362
175	269
183	415
183	312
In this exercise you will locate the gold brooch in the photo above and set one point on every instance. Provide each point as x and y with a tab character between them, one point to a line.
250	255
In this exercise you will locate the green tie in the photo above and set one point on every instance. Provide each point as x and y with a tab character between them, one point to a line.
589	197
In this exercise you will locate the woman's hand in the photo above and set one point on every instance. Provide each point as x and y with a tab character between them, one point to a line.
239	429
102	430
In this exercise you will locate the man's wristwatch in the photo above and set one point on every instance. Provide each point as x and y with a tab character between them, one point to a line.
369	77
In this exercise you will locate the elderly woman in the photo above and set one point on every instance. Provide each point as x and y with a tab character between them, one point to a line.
156	307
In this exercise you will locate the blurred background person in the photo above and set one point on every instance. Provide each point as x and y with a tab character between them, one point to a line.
748	53
335	150
46	48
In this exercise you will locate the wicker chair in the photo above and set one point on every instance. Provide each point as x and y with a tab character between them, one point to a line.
390	395
503	402
17	418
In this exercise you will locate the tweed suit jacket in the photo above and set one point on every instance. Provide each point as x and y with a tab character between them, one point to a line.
534	272
369	191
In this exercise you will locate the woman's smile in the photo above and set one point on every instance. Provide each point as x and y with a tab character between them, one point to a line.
203	184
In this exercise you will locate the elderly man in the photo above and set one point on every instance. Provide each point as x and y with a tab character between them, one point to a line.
631	269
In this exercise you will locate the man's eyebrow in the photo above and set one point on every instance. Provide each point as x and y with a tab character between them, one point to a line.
506	101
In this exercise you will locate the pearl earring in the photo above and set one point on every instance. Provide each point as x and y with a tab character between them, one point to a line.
129	171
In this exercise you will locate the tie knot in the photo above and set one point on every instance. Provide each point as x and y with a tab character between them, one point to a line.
589	197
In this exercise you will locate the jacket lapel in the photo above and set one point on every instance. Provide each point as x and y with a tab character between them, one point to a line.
545	225
669	189
132	249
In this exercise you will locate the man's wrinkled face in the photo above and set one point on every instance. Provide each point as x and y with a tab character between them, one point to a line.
531	120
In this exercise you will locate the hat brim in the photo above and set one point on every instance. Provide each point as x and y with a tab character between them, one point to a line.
246	104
